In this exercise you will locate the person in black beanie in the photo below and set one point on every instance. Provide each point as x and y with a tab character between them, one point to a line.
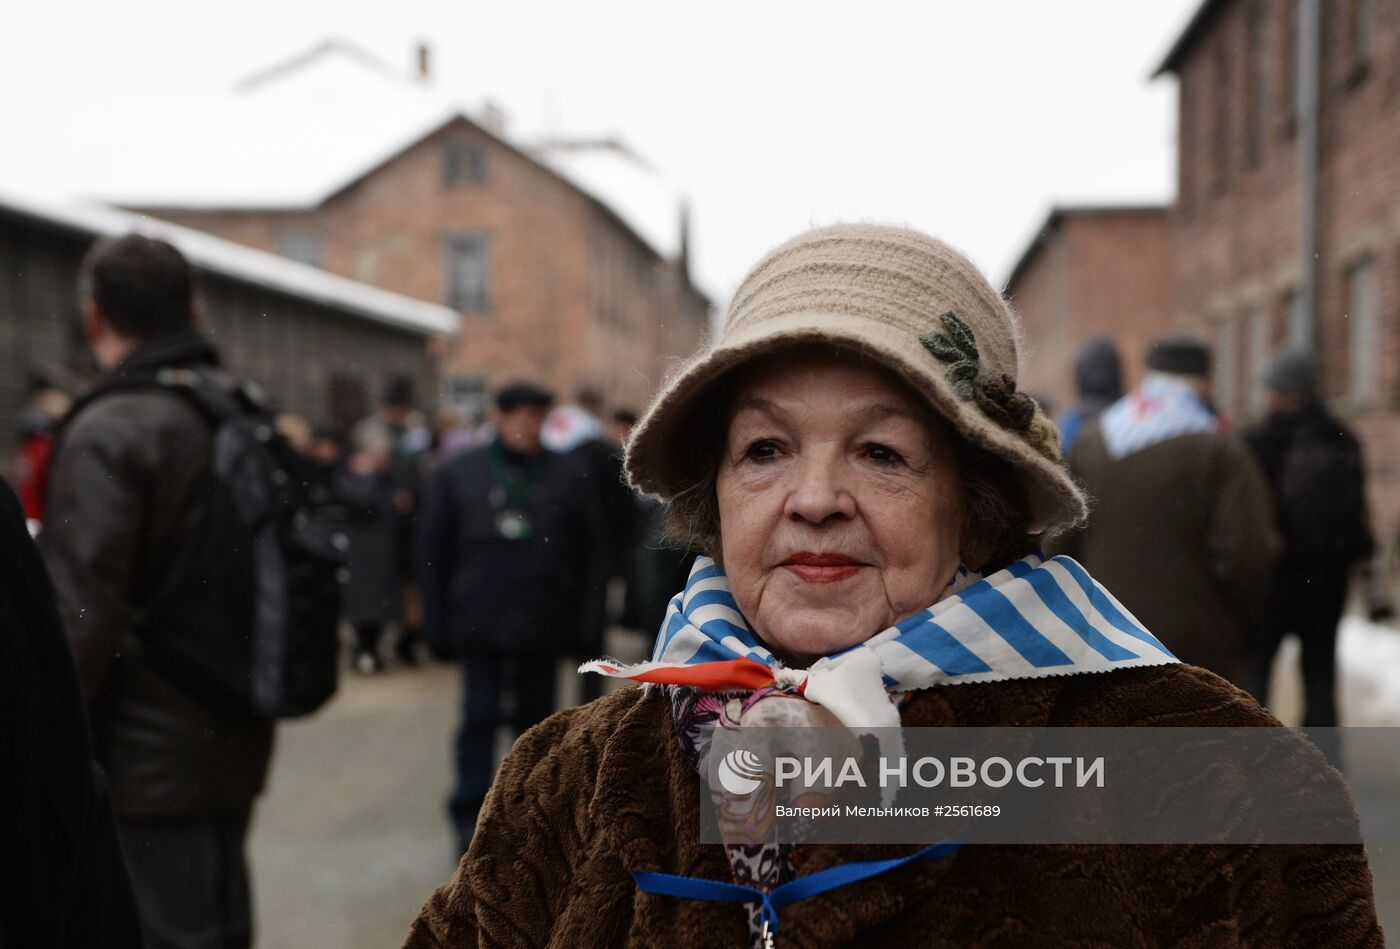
68	886
1098	383
1317	480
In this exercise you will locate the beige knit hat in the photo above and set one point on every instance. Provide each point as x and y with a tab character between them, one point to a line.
905	299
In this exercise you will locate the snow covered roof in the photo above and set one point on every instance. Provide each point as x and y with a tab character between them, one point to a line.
289	137
627	184
223	257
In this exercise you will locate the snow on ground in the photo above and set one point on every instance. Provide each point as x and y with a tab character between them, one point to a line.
1368	675
1369	660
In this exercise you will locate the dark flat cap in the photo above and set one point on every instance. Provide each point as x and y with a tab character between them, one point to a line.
1179	355
516	394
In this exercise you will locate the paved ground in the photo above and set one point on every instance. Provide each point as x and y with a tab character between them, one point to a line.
351	837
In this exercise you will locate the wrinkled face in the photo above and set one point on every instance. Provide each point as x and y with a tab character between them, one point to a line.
838	502
520	428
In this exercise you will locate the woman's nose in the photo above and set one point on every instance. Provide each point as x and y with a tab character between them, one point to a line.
819	491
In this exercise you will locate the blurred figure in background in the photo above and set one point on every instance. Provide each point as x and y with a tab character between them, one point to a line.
506	528
327	451
1317	480
409	437
452	435
1098	383
566	427
69	887
131	471
623	420
599	460
37	422
656	565
296	430
365	485
1181	529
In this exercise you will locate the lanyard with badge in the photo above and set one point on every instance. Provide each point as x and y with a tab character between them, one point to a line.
511	493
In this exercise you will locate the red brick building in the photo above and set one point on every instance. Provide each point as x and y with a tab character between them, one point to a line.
567	261
1091	270
1286	229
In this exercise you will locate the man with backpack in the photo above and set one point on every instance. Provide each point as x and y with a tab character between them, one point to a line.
163	586
1314	468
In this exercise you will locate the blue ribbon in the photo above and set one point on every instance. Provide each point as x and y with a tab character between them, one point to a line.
814	884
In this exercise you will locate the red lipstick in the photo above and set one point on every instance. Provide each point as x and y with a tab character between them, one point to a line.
823	568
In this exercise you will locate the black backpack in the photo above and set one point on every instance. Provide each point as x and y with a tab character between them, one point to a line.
250	621
1322	499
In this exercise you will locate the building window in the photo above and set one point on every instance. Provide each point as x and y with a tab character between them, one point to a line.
301	245
1257	325
1365	30
468	272
463	162
1363	326
1363	39
348	398
466	394
1225	360
1299	322
1257	107
1220	137
1186	150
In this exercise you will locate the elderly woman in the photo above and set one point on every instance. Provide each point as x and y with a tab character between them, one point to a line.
869	487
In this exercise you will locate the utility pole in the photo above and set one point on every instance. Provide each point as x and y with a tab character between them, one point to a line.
1302	318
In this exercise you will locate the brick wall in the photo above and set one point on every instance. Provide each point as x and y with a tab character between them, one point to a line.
575	298
1094	271
1235	227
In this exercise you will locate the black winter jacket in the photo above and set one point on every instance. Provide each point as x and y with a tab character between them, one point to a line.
68	885
1317	480
487	594
126	497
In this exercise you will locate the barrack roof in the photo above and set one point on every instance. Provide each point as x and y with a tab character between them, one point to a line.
216	255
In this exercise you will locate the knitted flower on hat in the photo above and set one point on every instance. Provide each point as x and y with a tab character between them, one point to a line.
995	394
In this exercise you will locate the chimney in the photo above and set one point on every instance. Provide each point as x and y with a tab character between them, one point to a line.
493	118
684	260
425	62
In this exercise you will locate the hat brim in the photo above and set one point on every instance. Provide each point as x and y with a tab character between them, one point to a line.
653	466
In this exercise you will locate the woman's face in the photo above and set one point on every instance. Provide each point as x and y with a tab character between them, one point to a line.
838	503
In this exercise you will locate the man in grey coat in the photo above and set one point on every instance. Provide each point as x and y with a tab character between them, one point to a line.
1180	526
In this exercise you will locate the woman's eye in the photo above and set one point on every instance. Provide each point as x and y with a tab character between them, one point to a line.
761	451
884	455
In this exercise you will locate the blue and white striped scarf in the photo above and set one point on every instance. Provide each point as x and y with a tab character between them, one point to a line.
1036	618
1159	409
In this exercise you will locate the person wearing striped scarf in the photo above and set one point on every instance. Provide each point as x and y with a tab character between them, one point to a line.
870	490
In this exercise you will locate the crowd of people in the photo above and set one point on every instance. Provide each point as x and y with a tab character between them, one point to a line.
838	476
496	545
1251	536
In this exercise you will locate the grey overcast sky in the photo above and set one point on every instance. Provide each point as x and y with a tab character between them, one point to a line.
966	119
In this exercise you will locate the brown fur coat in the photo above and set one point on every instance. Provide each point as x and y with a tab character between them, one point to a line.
596	792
